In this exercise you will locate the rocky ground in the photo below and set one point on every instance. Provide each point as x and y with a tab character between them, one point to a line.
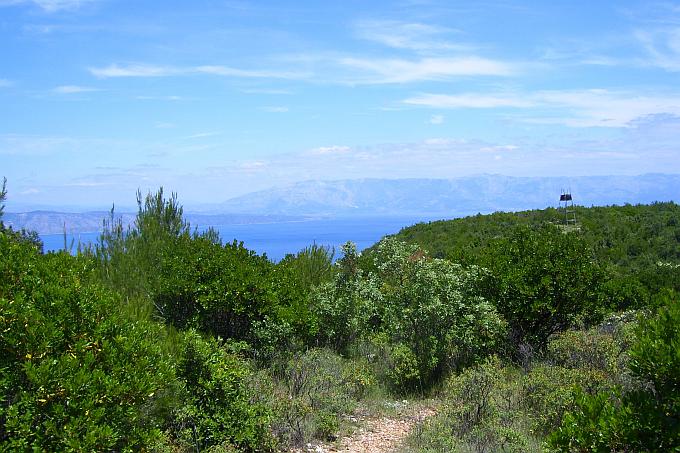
377	433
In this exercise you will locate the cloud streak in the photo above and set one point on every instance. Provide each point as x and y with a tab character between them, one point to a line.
468	100
385	71
74	89
575	108
149	70
333	69
134	70
662	47
414	36
50	6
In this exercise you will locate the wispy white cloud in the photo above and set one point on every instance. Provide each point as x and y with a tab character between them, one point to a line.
74	89
4	83
332	68
383	71
161	98
149	70
275	109
407	35
328	150
32	145
252	166
266	91
575	108
202	135
134	70
452	157
50	6
402	71
245	73
497	148
662	46
468	100
605	108
436	119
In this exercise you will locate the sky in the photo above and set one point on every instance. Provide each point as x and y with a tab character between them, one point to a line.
214	99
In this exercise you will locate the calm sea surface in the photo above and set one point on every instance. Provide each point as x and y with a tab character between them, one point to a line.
279	239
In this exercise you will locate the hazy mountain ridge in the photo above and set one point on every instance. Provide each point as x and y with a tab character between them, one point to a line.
52	222
384	197
452	197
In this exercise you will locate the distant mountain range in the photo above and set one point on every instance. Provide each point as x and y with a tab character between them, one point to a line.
51	222
451	197
392	197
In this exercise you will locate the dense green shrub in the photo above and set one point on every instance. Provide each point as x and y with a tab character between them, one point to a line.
646	418
414	319
628	241
600	349
217	289
311	266
76	373
346	308
296	277
547	393
218	407
545	281
432	315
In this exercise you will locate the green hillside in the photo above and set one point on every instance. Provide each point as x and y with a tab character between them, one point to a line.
638	245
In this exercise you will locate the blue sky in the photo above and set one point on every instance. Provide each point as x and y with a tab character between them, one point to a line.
214	99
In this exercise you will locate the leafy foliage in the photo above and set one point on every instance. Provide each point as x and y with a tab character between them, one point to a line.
544	282
644	418
217	289
633	245
345	308
416	318
3	197
433	314
478	415
75	373
129	259
218	409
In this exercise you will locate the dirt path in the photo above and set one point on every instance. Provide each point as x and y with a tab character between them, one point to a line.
377	434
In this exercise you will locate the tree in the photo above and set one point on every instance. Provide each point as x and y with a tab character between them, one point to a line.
544	281
3	197
433	312
130	258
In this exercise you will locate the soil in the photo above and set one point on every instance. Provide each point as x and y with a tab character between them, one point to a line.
377	434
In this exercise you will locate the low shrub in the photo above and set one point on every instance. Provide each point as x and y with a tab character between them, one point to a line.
76	373
480	414
644	418
312	393
548	392
218	407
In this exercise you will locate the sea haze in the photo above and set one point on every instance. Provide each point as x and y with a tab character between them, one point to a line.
276	240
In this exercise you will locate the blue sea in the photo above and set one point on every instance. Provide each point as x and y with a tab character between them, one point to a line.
276	240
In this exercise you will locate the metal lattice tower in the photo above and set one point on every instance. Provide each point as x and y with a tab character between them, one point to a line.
567	207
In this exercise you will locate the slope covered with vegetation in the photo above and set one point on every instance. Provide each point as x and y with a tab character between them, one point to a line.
161	338
638	246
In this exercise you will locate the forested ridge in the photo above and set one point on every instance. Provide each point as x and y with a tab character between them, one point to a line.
528	335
